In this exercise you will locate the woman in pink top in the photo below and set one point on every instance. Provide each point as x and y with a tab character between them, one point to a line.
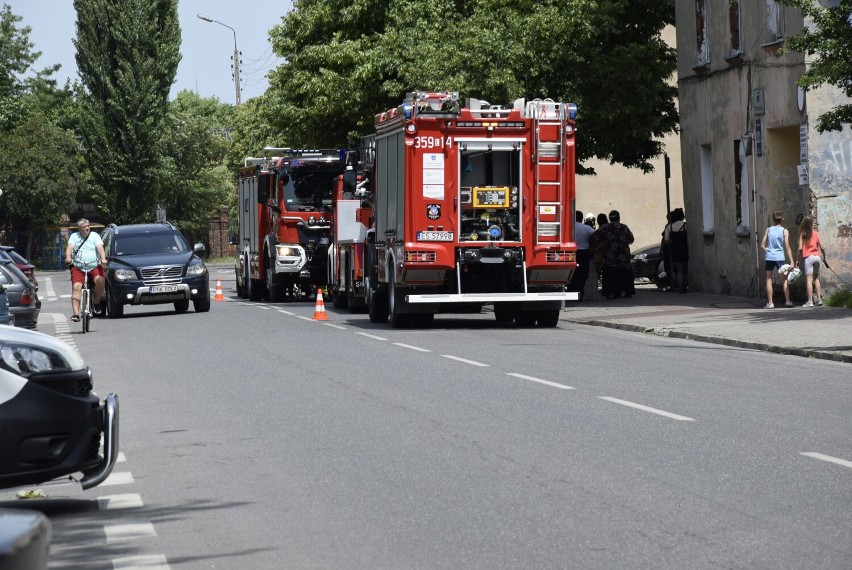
809	249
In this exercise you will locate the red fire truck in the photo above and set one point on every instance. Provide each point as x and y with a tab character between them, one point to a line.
471	206
285	221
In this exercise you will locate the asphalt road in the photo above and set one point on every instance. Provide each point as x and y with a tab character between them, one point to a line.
256	437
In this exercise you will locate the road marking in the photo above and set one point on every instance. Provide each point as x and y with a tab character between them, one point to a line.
540	381
286	312
120	458
338	327
118	478
48	288
114	502
465	360
264	307
145	561
304	318
412	347
828	458
368	335
129	531
647	409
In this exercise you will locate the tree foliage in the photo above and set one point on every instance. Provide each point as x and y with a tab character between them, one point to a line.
194	152
39	172
350	59
127	58
37	190
830	40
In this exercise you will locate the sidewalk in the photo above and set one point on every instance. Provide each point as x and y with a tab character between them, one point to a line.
818	332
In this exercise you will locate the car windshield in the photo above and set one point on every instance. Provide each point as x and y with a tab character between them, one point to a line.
310	185
142	244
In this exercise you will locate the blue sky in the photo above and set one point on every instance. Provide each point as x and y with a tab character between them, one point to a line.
206	49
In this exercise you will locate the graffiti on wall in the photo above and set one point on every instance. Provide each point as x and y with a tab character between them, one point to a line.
830	171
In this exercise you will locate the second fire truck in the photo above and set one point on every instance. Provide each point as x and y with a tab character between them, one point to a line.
469	206
284	222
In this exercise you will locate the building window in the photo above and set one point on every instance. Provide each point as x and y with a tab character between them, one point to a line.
774	21
734	28
707	210
742	185
702	47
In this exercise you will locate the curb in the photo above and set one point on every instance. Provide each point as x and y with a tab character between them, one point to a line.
763	347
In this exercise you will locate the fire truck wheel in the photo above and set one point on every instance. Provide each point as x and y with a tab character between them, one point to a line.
377	303
276	293
255	291
398	320
339	300
423	320
548	318
182	306
525	319
504	312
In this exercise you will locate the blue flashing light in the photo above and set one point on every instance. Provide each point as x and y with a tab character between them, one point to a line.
406	110
572	111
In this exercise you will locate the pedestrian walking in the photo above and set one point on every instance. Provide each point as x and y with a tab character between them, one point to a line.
810	247
582	237
674	238
617	271
776	245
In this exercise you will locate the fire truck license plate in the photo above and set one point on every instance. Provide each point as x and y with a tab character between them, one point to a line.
434	236
163	289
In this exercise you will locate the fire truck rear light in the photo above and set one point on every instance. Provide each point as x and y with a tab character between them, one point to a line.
411	128
560	256
420	257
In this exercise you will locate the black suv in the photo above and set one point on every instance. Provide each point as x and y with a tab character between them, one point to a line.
151	264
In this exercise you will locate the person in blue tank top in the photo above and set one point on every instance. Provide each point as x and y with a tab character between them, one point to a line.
776	244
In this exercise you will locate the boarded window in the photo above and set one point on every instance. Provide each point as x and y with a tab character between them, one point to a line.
702	49
734	27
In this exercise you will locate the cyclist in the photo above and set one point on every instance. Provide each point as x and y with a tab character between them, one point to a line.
85	248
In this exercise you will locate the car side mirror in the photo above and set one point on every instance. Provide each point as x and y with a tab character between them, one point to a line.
199	248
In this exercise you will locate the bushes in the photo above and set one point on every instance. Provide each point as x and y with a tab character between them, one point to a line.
839	299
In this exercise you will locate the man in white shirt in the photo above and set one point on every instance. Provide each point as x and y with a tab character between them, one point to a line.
582	234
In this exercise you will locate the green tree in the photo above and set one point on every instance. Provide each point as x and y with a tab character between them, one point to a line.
127	57
350	59
194	151
38	174
39	156
830	40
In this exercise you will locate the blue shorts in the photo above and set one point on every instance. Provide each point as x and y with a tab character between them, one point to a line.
770	265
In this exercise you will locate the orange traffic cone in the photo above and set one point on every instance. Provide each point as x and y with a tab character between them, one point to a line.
319	312
219	296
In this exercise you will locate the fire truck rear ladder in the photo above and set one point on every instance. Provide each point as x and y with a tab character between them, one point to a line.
549	125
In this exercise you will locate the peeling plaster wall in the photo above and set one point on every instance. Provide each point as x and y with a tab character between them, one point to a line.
717	108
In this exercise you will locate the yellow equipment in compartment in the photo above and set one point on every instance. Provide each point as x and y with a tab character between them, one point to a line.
491	197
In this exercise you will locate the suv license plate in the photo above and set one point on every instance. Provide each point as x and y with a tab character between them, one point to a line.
163	289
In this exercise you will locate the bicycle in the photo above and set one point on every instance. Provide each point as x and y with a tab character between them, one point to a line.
86	309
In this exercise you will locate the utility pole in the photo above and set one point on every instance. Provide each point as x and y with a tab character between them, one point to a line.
236	56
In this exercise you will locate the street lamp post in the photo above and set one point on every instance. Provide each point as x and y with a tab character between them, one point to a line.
236	54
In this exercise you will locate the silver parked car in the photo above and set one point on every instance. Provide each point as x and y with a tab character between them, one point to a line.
21	293
6	318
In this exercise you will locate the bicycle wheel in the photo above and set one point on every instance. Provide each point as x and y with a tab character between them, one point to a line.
85	310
